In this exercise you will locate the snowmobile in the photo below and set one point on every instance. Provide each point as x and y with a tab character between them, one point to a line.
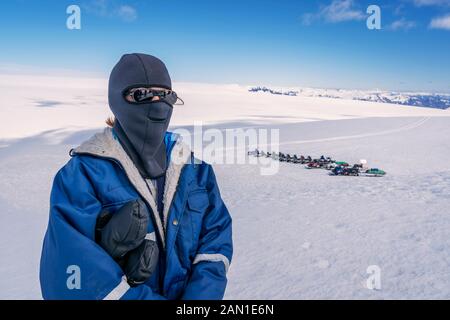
357	166
326	160
332	165
261	154
301	159
289	158
306	160
315	164
281	157
351	171
296	159
322	161
253	153
345	171
374	172
336	171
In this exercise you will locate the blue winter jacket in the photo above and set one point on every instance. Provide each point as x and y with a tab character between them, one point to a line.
193	233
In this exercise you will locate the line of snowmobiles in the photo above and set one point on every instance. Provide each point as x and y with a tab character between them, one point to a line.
336	168
282	157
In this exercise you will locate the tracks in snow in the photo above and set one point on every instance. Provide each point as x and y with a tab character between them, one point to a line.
407	127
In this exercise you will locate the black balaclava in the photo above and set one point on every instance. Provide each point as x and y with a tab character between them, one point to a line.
141	127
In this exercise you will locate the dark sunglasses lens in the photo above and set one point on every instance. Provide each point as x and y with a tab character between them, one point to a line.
171	97
137	95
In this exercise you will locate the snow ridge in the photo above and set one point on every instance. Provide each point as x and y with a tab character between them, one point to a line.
429	100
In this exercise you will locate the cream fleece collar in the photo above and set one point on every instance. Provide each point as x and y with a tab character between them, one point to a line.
103	144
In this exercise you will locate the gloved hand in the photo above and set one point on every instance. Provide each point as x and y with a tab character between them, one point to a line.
141	262
122	236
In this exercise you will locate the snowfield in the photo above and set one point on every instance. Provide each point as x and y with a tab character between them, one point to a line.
299	234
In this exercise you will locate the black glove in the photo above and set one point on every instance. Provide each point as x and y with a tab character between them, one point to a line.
124	230
141	262
122	236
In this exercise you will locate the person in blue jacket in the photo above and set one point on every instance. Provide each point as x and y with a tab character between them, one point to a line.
133	215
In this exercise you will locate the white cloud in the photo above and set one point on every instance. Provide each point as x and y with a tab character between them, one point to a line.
111	9
127	13
98	7
441	22
402	24
341	10
421	3
336	11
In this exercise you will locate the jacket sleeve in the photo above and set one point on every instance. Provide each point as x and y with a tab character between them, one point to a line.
72	265
208	274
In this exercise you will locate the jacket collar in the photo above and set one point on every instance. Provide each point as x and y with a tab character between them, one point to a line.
106	145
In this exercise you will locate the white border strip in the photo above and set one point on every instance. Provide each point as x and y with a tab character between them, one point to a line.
212	257
118	291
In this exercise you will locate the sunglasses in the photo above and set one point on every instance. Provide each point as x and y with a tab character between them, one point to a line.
145	95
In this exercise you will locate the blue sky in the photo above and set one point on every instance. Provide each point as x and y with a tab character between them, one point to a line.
272	42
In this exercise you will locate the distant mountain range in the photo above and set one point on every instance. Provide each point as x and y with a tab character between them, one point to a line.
429	100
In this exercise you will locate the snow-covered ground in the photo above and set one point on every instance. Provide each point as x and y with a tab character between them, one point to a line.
297	234
33	104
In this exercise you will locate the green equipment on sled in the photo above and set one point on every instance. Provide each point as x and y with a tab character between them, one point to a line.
375	172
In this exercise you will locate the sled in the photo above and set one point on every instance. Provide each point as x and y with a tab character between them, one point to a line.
374	172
